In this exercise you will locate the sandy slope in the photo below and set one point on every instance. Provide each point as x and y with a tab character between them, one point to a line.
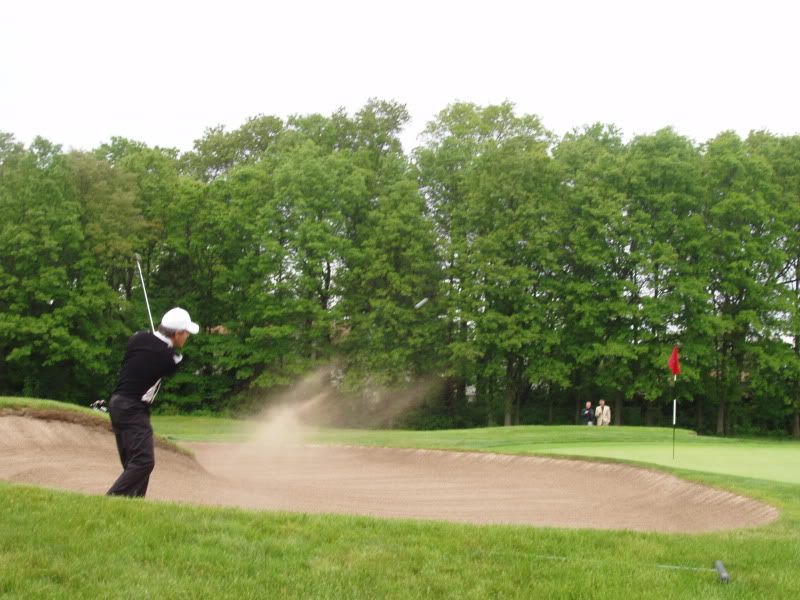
455	486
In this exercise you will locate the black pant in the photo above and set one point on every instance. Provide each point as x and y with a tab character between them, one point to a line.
130	419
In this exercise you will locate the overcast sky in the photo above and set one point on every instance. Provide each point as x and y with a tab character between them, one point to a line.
78	72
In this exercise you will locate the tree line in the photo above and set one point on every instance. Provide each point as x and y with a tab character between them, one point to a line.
558	269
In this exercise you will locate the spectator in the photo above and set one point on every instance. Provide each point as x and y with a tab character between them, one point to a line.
588	414
603	414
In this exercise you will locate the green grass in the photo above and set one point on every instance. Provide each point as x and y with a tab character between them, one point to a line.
209	429
35	403
58	545
62	545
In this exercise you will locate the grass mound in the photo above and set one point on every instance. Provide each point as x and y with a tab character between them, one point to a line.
50	410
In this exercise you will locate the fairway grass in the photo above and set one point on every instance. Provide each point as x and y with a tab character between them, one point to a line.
63	545
11	402
202	429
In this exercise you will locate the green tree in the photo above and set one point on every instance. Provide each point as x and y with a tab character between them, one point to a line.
218	151
783	154
385	337
57	312
744	258
596	266
667	244
490	185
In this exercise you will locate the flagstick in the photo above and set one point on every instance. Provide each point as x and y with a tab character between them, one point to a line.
674	414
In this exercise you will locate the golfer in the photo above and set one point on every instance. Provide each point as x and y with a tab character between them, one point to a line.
148	359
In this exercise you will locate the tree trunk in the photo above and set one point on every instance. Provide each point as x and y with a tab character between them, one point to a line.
523	397
486	397
129	275
721	418
728	419
510	391
549	408
796	425
460	396
649	414
698	410
617	412
453	395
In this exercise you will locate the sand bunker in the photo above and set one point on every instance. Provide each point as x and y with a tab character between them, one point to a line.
427	484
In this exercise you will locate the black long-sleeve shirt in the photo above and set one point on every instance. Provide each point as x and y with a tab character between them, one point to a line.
147	360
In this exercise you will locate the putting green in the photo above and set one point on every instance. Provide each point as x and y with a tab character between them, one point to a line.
759	460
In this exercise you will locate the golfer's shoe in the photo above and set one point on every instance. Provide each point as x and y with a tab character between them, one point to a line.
99	405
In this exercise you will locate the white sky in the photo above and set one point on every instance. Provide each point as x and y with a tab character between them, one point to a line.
78	72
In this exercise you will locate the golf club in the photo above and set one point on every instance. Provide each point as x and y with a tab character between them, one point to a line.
144	289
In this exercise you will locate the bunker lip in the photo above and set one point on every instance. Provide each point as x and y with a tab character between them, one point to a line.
81	418
68	416
468	487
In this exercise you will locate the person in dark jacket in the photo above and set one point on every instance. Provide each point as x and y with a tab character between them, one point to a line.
149	358
588	414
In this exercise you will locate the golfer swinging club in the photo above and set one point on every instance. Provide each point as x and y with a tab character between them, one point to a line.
148	359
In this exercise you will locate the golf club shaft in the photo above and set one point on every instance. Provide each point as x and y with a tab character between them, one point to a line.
146	301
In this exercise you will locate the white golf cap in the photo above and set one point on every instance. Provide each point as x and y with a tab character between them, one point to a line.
178	319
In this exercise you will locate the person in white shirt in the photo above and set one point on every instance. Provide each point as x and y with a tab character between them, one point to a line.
602	414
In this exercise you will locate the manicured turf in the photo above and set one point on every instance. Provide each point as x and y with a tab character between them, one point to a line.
211	429
36	404
58	545
61	545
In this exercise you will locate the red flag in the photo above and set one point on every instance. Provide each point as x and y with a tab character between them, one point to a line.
674	362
